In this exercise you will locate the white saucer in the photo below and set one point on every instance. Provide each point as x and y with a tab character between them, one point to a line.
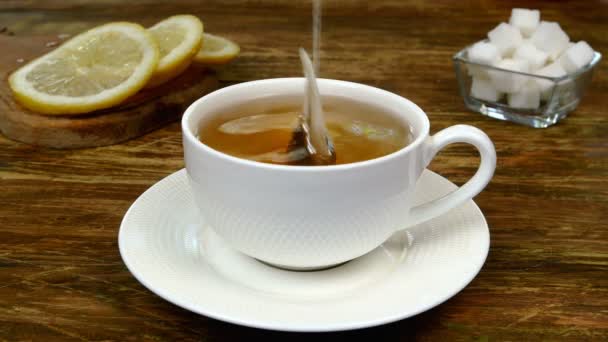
164	243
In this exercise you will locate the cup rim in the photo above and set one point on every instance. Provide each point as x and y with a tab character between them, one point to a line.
194	141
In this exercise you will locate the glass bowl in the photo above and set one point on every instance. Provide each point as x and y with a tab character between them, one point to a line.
561	95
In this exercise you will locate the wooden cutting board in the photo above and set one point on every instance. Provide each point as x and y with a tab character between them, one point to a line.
146	111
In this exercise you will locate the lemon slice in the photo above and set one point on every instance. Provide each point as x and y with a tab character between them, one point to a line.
96	69
179	38
216	50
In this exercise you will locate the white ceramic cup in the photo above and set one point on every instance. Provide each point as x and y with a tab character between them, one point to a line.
315	216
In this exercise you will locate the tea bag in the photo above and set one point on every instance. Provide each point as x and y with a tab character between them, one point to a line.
312	133
310	142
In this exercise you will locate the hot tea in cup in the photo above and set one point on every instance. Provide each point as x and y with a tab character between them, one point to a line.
304	217
263	131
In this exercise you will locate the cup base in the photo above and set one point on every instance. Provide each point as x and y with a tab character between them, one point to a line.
302	269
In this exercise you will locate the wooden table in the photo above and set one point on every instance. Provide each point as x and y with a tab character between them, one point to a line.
546	277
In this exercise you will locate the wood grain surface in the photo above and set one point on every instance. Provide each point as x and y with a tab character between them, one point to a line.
143	112
546	276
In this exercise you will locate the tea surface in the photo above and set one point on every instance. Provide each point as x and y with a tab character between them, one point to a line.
359	133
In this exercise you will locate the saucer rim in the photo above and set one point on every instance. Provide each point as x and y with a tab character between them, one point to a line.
278	326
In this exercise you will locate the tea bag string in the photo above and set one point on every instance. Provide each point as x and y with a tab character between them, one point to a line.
316	35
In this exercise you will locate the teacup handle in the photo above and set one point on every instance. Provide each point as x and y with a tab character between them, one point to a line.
456	134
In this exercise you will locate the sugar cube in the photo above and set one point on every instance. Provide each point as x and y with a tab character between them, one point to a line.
482	53
552	70
526	20
528	97
505	80
550	38
576	57
484	90
561	56
535	57
506	38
